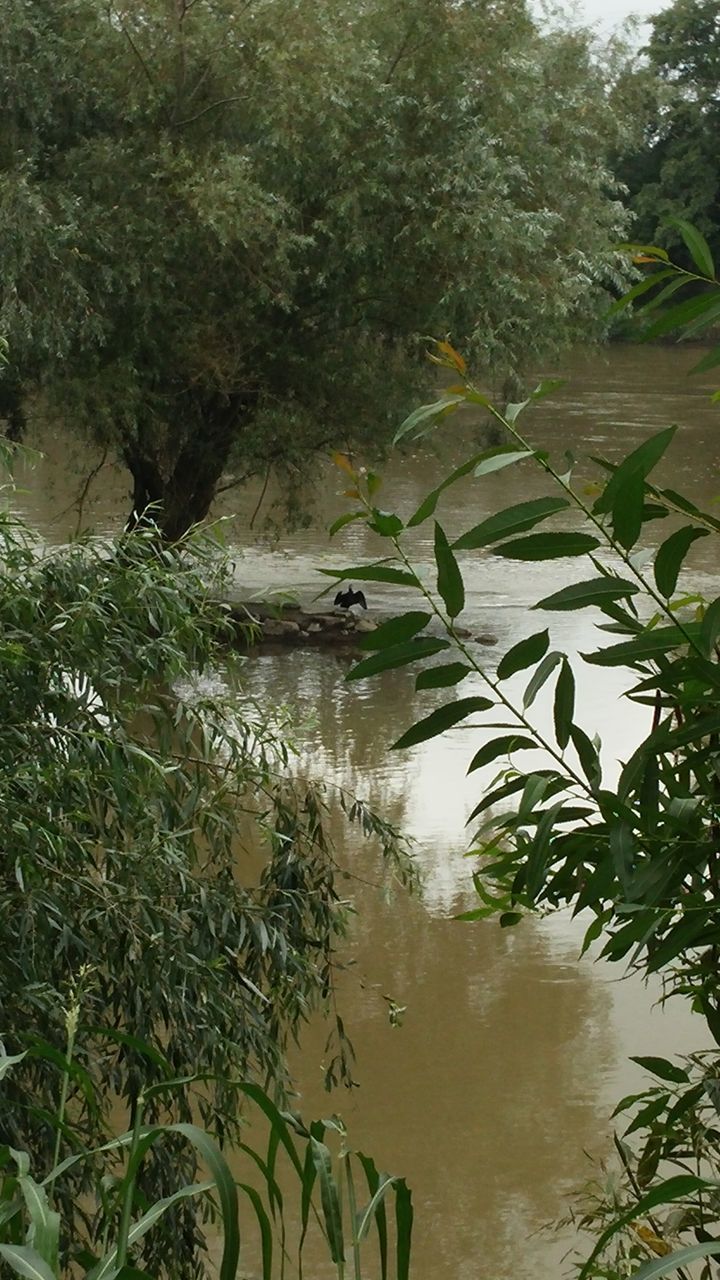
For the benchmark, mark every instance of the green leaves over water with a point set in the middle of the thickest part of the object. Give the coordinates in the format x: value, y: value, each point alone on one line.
x: 443, y: 718
x: 515, y: 519
x: 449, y: 579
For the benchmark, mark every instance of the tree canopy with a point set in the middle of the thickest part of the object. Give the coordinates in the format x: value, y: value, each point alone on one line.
x: 224, y: 227
x: 674, y: 171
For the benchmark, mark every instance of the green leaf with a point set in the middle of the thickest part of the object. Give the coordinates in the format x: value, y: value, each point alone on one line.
x: 671, y: 1262
x: 667, y: 1192
x: 671, y: 554
x: 709, y: 361
x: 495, y: 795
x: 515, y: 519
x: 38, y: 1048
x: 500, y: 747
x: 539, y: 849
x: 503, y: 455
x: 26, y: 1262
x: 130, y: 1042
x: 403, y: 1229
x: 217, y: 1167
x: 429, y: 503
x: 442, y: 677
x: 266, y: 1234
x: 539, y: 678
x: 545, y: 388
x: 704, y: 308
x: 341, y: 521
x: 663, y: 1069
x: 547, y: 546
x: 397, y: 655
x: 710, y: 627
x: 395, y: 630
x: 648, y: 1114
x: 638, y: 289
x: 7, y: 1061
x: 697, y: 244
x: 523, y: 654
x: 449, y: 578
x: 581, y: 595
x: 427, y: 414
x: 680, y: 282
x: 622, y: 852
x: 368, y: 1215
x: 373, y: 573
x: 688, y: 507
x: 564, y: 704
x: 372, y: 1178
x: 440, y: 720
x: 329, y: 1199
x: 649, y: 1160
x: 640, y: 462
x: 44, y: 1231
x: 106, y: 1269
x: 652, y: 250
x: 627, y: 511
x: 587, y: 754
x: 509, y: 918
x: 643, y: 648
x: 385, y: 523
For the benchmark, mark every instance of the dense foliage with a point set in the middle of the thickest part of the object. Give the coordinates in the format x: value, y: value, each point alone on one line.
x: 674, y: 170
x: 220, y: 223
x: 157, y: 851
x: 556, y: 828
x: 34, y: 1241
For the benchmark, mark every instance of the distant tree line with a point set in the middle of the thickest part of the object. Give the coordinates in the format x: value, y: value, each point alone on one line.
x: 673, y: 92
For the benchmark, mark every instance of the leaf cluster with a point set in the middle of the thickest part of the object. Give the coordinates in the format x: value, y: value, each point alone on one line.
x: 640, y: 851
x: 31, y: 1229
x: 157, y: 840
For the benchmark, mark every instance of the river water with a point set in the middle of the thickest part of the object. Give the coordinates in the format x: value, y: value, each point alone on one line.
x: 493, y: 1096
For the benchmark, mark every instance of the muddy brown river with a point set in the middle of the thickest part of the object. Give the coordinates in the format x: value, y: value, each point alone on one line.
x: 494, y: 1093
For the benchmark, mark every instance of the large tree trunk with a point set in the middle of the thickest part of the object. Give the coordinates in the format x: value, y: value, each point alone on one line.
x: 176, y: 474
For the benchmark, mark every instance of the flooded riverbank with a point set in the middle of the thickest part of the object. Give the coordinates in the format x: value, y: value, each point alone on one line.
x: 511, y: 1052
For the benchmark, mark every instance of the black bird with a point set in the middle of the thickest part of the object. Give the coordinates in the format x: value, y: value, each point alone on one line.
x: 348, y: 598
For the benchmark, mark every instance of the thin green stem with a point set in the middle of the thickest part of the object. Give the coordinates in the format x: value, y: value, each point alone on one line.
x: 128, y: 1190
x: 493, y: 684
x: 352, y: 1210
x: 71, y: 1023
x: 598, y: 524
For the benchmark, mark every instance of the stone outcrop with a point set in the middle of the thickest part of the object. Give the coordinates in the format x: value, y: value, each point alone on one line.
x: 265, y: 624
x: 268, y: 624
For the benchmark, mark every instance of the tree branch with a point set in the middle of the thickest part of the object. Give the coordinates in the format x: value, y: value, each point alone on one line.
x: 221, y: 102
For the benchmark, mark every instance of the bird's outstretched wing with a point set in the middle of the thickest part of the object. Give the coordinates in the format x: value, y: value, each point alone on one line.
x: 338, y: 598
x: 360, y: 599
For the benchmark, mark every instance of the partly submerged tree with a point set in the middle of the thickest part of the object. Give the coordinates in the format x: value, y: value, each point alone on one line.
x: 220, y: 223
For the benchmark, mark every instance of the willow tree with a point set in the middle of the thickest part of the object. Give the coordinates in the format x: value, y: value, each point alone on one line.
x: 225, y: 225
x: 162, y: 872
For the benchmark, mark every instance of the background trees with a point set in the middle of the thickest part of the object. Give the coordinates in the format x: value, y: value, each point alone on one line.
x: 674, y: 171
x: 221, y: 223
